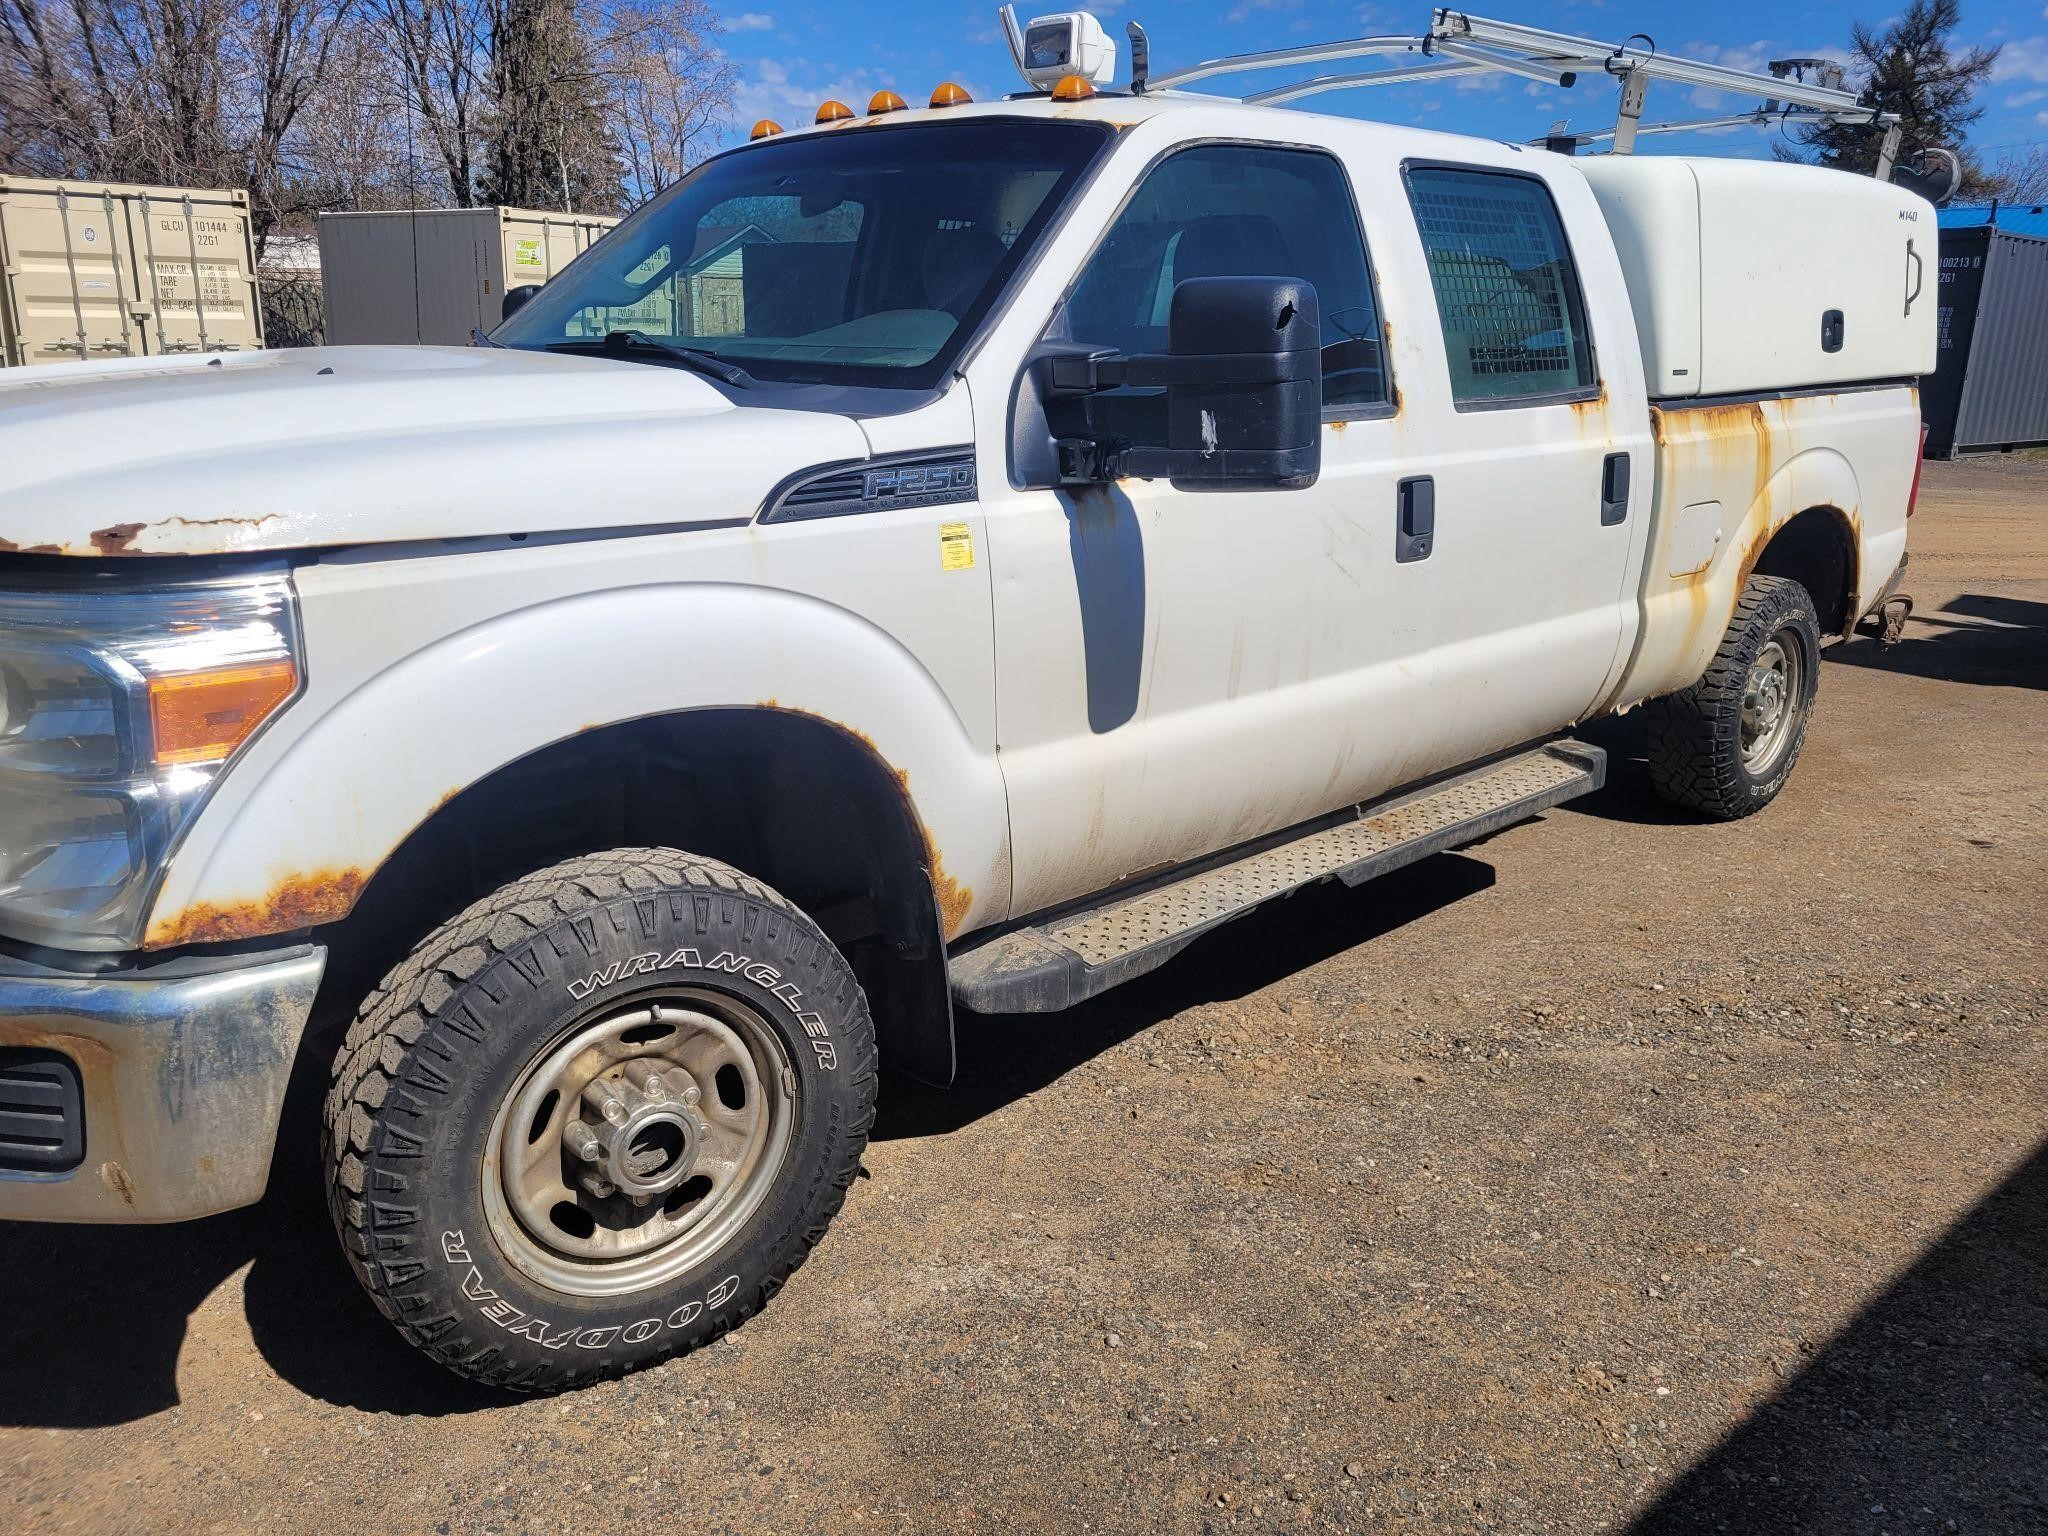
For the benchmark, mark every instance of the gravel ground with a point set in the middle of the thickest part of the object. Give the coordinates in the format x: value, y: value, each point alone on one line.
x: 1621, y: 1173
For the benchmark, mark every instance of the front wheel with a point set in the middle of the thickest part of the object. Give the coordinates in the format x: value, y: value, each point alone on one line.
x: 599, y: 1118
x: 1725, y: 746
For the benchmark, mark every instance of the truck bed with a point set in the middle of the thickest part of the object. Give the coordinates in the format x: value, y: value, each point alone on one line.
x: 1730, y: 473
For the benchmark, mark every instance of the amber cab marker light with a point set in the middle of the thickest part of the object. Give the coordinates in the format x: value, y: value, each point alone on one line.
x: 884, y: 101
x: 950, y: 95
x: 834, y: 112
x: 766, y: 128
x: 201, y: 717
x: 1074, y: 88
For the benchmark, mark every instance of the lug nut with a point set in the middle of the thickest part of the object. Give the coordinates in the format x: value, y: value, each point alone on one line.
x: 582, y: 1141
x: 642, y: 1075
x: 601, y: 1097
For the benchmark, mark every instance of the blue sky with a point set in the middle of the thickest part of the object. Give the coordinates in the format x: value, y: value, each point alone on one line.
x: 792, y: 56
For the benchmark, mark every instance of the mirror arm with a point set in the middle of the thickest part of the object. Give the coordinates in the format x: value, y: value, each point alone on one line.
x: 1091, y: 460
x: 1068, y: 371
x: 1082, y: 372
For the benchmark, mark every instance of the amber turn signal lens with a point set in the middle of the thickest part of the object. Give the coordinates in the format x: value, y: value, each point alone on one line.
x: 884, y: 101
x: 950, y: 95
x: 834, y: 112
x: 765, y: 128
x: 1074, y: 88
x: 201, y: 717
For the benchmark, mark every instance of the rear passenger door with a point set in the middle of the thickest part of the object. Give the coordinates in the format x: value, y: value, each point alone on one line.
x: 1539, y: 467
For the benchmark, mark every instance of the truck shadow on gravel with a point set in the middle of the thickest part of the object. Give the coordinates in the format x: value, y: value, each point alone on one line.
x: 98, y: 1316
x: 1989, y: 641
x: 1002, y: 1057
x: 1929, y: 1412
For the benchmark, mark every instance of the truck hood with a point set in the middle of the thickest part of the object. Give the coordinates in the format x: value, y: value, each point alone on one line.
x: 351, y: 445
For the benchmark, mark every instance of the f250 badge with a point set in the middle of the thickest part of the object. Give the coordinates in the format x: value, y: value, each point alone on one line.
x: 918, y: 480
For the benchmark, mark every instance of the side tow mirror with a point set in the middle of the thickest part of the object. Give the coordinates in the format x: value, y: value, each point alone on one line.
x: 518, y: 298
x: 1244, y: 390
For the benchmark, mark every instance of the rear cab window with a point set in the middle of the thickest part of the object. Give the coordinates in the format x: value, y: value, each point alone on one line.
x: 1507, y: 290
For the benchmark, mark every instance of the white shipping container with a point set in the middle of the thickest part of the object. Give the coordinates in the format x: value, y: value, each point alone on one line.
x: 1748, y: 275
x: 433, y: 275
x: 101, y: 269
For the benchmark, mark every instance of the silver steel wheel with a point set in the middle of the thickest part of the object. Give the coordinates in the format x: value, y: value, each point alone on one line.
x: 1771, y: 698
x: 639, y: 1144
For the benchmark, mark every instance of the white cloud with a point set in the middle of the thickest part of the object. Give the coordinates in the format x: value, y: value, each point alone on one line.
x: 1486, y: 83
x: 748, y: 21
x: 2024, y: 58
x: 789, y: 93
x: 1245, y: 10
x: 1755, y: 57
x: 2025, y: 99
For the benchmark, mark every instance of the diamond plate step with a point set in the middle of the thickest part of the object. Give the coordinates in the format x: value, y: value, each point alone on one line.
x: 1062, y: 960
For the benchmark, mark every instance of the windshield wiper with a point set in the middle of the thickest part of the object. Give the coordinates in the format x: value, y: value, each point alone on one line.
x: 689, y: 357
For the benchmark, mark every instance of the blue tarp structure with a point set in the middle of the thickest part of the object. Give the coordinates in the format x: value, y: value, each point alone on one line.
x: 2013, y: 218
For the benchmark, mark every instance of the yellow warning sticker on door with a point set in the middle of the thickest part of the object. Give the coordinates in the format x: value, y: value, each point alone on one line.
x: 526, y: 253
x: 956, y: 547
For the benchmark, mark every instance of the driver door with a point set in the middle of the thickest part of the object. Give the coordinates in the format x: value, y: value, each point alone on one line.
x: 1178, y: 672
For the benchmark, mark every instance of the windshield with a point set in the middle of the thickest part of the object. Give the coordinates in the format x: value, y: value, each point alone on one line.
x: 862, y: 257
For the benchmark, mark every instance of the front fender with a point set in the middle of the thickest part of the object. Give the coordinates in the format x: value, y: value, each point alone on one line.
x: 380, y: 741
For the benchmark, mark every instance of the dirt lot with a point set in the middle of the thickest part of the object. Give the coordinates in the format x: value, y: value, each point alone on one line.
x: 1621, y: 1173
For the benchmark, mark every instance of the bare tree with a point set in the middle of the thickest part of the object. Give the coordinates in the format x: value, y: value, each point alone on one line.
x: 2020, y: 176
x: 671, y: 85
x: 441, y: 53
x: 357, y: 144
x: 364, y: 103
x: 184, y: 92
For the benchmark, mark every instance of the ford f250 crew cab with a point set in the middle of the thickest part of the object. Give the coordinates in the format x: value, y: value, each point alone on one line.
x: 1084, y: 518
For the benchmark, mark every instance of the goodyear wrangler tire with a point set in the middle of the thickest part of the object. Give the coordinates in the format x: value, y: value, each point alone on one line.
x: 597, y: 1119
x: 1725, y: 746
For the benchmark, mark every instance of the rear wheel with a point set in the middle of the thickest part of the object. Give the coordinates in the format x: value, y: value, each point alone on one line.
x: 1725, y: 746
x: 599, y: 1118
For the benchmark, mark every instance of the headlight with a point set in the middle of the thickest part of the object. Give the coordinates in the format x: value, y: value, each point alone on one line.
x: 118, y: 709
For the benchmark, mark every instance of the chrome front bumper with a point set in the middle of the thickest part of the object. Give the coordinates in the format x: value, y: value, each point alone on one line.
x: 181, y: 1074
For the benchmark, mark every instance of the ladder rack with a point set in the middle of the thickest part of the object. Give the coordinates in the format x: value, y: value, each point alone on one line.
x: 1459, y: 43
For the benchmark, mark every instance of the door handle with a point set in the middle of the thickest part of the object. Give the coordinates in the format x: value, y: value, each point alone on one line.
x: 1918, y: 275
x: 1415, y: 519
x: 1614, y: 490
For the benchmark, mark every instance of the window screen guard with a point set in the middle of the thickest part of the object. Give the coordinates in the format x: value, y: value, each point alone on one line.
x: 1507, y: 293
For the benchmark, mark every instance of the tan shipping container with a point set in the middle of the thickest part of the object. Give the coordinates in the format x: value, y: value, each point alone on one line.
x: 433, y: 275
x: 98, y: 270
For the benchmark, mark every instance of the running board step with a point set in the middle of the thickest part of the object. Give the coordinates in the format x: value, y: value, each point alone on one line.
x: 1062, y: 961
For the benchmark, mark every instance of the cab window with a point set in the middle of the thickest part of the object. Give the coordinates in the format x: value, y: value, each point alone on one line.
x: 1514, y: 319
x: 1230, y: 210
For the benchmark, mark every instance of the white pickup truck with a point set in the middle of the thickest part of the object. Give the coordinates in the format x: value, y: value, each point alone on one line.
x: 935, y: 556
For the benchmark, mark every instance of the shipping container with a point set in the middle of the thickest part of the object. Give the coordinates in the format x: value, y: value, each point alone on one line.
x: 1748, y: 276
x: 433, y: 275
x: 1989, y: 389
x: 99, y: 270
